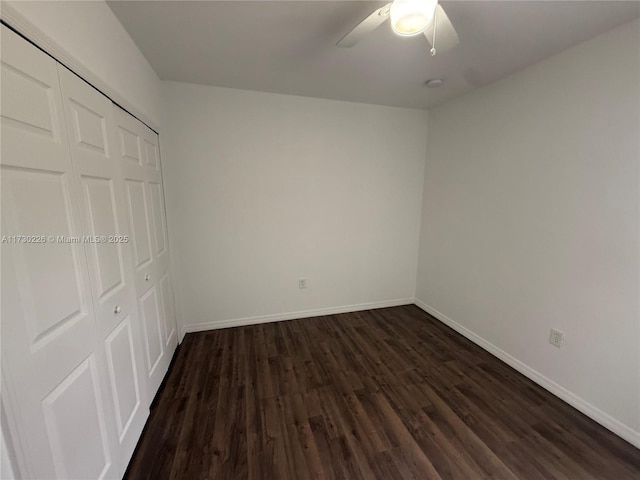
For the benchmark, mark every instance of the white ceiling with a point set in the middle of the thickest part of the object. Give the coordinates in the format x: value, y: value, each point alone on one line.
x: 289, y: 46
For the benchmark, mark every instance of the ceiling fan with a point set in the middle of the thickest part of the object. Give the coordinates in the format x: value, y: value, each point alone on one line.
x: 409, y: 18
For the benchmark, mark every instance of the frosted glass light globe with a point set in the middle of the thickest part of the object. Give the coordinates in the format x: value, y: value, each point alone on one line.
x: 412, y: 17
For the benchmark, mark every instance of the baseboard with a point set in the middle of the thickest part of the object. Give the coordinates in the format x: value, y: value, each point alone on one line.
x: 623, y: 431
x: 278, y: 317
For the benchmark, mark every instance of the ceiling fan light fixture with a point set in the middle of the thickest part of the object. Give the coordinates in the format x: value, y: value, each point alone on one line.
x: 412, y: 17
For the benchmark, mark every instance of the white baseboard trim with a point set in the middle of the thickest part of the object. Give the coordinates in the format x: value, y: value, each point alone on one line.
x: 278, y: 317
x: 623, y: 431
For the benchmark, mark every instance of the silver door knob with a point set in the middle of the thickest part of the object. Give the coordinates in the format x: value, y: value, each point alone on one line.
x: 117, y: 309
x: 147, y: 277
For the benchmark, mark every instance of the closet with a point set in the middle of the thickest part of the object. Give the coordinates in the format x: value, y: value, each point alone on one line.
x: 88, y: 321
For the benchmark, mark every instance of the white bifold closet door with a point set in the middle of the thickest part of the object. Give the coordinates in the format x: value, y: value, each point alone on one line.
x: 51, y: 351
x: 86, y: 339
x: 140, y: 161
x: 93, y: 144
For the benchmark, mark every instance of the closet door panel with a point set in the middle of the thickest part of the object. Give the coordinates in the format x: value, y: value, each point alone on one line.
x: 152, y: 322
x: 151, y: 152
x: 94, y: 146
x: 130, y: 149
x: 31, y: 111
x: 132, y: 152
x: 169, y: 312
x: 159, y: 230
x: 74, y: 403
x: 123, y: 376
x: 132, y: 156
x: 139, y: 155
x: 50, y: 275
x: 160, y: 239
x: 89, y: 127
x: 138, y: 210
x: 102, y: 216
x: 48, y: 327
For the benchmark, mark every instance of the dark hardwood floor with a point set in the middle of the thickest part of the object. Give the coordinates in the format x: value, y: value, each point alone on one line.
x: 382, y: 394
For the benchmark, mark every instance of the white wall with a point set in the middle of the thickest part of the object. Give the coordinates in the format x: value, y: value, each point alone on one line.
x: 531, y: 220
x: 262, y: 189
x: 87, y: 35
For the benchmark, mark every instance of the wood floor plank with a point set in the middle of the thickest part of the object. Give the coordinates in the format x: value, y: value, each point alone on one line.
x: 381, y: 394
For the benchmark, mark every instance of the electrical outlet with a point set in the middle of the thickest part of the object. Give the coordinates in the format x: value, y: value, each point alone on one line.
x: 556, y: 338
x: 302, y: 283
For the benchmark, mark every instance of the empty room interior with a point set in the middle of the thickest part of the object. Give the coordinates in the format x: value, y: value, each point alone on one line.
x: 297, y: 240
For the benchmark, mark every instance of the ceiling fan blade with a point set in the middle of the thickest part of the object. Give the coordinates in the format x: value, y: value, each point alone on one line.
x: 365, y: 27
x: 446, y: 36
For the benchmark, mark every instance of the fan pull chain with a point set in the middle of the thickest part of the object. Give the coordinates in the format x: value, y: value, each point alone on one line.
x: 435, y: 27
